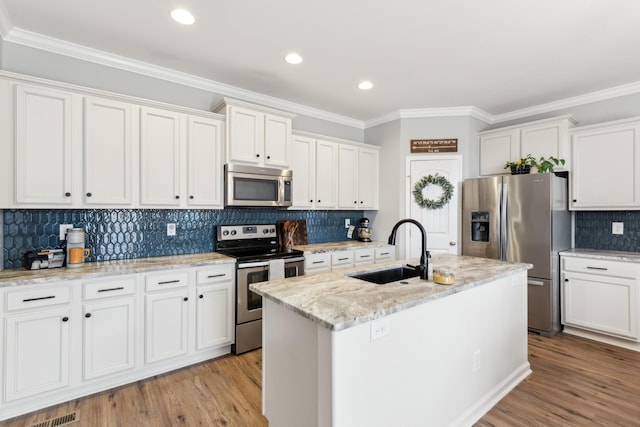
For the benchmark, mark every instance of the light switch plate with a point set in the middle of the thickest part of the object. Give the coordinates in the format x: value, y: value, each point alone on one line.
x: 617, y: 228
x: 347, y: 222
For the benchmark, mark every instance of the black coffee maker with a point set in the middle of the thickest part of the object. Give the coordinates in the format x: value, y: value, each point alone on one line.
x: 364, y: 230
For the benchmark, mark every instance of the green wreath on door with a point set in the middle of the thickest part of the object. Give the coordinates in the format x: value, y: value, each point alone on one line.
x: 447, y: 192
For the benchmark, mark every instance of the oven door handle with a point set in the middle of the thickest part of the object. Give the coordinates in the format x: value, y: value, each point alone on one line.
x: 253, y: 264
x: 289, y: 260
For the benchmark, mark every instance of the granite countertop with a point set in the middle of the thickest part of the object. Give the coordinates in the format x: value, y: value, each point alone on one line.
x: 603, y: 254
x: 21, y: 276
x: 337, y: 301
x: 338, y: 246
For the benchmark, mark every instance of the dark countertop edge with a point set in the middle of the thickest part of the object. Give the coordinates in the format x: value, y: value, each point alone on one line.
x: 23, y: 277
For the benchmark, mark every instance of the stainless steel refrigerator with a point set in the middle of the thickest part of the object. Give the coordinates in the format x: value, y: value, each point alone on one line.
x: 522, y: 218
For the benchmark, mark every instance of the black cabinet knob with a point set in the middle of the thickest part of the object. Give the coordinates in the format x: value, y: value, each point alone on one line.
x: 566, y: 280
x: 89, y: 194
x: 257, y: 155
x: 574, y: 200
x: 355, y: 201
x: 319, y: 200
x: 65, y: 319
x: 67, y: 194
x: 185, y: 299
x: 191, y: 197
x: 201, y: 296
x: 87, y: 315
x: 268, y: 157
x: 177, y: 197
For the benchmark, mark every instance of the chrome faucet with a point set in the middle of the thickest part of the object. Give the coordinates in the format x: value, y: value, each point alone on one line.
x: 423, y: 268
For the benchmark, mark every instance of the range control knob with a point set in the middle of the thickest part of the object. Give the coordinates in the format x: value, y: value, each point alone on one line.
x: 233, y: 232
x: 225, y: 233
x: 265, y: 231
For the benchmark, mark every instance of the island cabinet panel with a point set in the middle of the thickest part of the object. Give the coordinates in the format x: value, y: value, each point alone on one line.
x: 474, y: 340
x: 605, y: 161
x: 601, y: 296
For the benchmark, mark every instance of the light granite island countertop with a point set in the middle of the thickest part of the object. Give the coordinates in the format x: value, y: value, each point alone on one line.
x: 339, y: 351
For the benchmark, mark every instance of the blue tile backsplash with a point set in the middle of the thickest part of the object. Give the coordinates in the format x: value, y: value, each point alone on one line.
x: 593, y: 230
x: 113, y: 234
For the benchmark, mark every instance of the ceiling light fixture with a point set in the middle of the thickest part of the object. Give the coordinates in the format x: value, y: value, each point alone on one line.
x: 365, y: 85
x: 293, y: 58
x: 182, y: 16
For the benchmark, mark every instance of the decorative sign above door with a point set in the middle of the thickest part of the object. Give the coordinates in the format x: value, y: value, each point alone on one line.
x: 434, y: 145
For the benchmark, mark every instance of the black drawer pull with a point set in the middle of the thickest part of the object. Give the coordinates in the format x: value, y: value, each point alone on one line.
x: 317, y: 262
x: 364, y: 256
x: 216, y: 275
x: 167, y: 282
x: 342, y: 259
x: 119, y: 288
x: 38, y: 298
x: 597, y: 268
x: 384, y: 253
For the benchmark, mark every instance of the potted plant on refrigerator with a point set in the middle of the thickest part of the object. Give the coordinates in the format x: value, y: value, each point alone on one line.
x: 522, y: 165
x: 546, y: 165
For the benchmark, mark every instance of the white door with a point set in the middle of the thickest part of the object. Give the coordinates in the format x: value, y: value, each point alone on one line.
x: 441, y: 224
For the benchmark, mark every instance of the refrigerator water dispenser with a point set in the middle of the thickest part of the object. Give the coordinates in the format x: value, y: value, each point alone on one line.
x: 480, y: 226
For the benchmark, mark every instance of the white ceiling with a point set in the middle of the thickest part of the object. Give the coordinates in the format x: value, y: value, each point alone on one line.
x: 499, y: 56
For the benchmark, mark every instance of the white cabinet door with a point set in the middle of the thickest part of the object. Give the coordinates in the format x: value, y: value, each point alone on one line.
x: 604, y: 164
x: 317, y: 263
x: 159, y: 157
x: 37, y: 346
x: 204, y: 145
x: 43, y: 168
x: 166, y: 325
x: 497, y: 148
x: 342, y: 259
x: 109, y: 334
x: 214, y: 310
x: 246, y: 135
x: 368, y: 182
x: 364, y: 256
x: 277, y: 141
x: 303, y: 165
x: 347, y: 177
x: 107, y: 152
x: 549, y: 138
x: 327, y: 170
x: 600, y: 303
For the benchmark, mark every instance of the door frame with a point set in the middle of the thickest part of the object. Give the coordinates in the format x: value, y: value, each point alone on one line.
x: 409, y: 192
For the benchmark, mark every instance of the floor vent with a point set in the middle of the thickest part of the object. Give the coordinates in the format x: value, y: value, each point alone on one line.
x: 59, y: 421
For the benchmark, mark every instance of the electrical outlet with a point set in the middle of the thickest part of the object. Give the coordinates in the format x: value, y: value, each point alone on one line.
x: 476, y: 360
x: 171, y: 229
x: 63, y: 230
x: 617, y: 228
x: 379, y: 329
x: 347, y: 222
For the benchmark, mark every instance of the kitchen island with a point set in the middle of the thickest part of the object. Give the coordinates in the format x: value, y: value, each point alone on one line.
x: 339, y: 351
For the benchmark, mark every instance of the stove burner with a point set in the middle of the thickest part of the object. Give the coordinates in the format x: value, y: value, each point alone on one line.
x: 249, y: 243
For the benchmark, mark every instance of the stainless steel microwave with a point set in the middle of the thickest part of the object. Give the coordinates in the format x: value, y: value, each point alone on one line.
x: 254, y: 186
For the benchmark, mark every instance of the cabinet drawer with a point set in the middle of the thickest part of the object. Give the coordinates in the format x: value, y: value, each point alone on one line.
x: 171, y: 280
x: 109, y: 288
x: 385, y: 254
x: 317, y: 263
x: 215, y: 274
x: 35, y: 298
x: 342, y: 259
x: 603, y: 267
x: 364, y: 256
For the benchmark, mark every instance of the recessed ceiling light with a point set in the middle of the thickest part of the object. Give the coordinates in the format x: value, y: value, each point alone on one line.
x: 182, y: 16
x: 365, y: 85
x: 293, y: 58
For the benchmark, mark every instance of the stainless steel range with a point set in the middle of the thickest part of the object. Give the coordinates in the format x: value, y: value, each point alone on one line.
x: 259, y: 258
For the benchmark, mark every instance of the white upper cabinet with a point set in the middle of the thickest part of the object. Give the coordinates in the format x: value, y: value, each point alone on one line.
x: 326, y: 175
x: 256, y: 135
x: 303, y: 164
x: 43, y: 146
x: 368, y: 177
x: 542, y: 138
x: 347, y: 177
x: 159, y: 157
x: 107, y: 152
x: 604, y: 165
x: 204, y: 146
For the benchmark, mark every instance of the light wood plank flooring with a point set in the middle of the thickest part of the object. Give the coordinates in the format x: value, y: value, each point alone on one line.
x: 575, y: 382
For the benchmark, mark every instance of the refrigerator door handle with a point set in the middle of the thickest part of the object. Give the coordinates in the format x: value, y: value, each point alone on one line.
x: 504, y: 230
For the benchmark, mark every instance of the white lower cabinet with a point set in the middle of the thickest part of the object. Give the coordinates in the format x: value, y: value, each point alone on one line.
x: 37, y: 347
x: 109, y: 325
x: 317, y: 263
x: 324, y: 262
x: 341, y: 260
x: 600, y: 296
x: 61, y: 341
x: 364, y: 256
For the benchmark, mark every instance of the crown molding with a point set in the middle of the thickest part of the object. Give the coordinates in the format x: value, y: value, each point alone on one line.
x: 50, y: 44
x: 418, y: 113
x: 600, y: 95
x: 5, y: 24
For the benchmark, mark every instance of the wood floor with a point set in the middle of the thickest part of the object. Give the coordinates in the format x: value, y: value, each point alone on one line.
x: 575, y: 382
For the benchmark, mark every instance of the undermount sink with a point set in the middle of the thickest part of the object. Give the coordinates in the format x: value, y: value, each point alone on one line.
x: 387, y: 276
